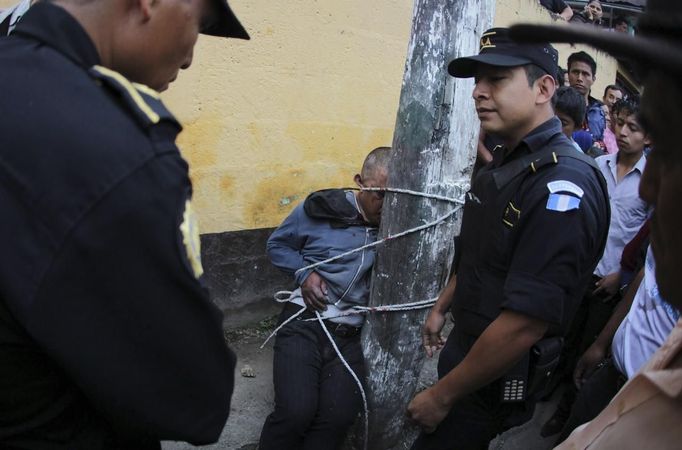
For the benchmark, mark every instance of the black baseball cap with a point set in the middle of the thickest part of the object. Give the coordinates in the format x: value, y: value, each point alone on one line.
x: 657, y: 45
x: 497, y: 49
x: 226, y: 23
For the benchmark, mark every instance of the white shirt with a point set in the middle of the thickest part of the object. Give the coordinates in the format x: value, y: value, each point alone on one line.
x: 628, y: 211
x: 647, y: 325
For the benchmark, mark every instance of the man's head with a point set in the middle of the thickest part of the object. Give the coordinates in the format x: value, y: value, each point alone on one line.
x: 630, y: 135
x: 514, y: 84
x: 612, y: 94
x: 149, y: 41
x: 582, y: 71
x: 657, y: 50
x: 374, y: 173
x: 593, y: 10
x: 620, y: 24
x: 570, y: 109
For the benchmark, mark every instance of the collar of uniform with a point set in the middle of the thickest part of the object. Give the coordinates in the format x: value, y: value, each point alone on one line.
x: 536, y: 139
x: 56, y: 28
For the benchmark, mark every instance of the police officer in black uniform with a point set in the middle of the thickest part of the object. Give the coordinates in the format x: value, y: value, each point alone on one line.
x: 534, y: 227
x: 108, y: 339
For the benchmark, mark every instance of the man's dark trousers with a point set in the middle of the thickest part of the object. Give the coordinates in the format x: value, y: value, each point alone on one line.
x: 477, y: 418
x: 316, y: 399
x: 594, y: 395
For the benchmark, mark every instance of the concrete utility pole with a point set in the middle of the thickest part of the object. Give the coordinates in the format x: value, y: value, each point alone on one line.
x: 434, y: 146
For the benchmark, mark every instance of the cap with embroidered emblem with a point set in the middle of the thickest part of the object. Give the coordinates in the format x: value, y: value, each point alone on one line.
x: 497, y: 49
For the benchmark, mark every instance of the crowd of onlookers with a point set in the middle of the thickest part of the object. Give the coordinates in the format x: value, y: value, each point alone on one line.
x: 592, y: 14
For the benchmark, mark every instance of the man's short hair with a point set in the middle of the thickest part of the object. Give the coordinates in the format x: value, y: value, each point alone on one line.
x: 570, y: 102
x: 627, y: 107
x: 534, y: 73
x: 376, y: 159
x: 583, y: 58
x: 620, y: 19
x: 612, y: 87
x: 560, y: 74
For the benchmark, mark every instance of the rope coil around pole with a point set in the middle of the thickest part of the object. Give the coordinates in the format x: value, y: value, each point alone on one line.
x: 284, y: 296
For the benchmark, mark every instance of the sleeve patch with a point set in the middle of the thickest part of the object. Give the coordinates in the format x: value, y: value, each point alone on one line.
x: 562, y: 202
x: 191, y: 240
x: 565, y: 186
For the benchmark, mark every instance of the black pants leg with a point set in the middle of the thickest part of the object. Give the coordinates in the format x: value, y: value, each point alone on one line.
x: 592, y: 316
x: 593, y: 396
x: 316, y: 399
x: 475, y: 419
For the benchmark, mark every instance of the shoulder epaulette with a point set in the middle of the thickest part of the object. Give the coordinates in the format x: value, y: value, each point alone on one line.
x: 144, y: 102
x: 547, y: 158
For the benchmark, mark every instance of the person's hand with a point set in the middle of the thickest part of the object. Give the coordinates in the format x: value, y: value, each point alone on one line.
x: 588, y: 363
x: 428, y: 410
x: 432, y: 339
x: 314, y: 292
x: 609, y: 284
x: 588, y: 13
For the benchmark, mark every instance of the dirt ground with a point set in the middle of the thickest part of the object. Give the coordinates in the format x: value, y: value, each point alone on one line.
x: 252, y: 400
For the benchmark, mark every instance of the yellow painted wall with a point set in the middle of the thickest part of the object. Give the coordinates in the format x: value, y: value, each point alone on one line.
x: 293, y: 110
x: 296, y: 108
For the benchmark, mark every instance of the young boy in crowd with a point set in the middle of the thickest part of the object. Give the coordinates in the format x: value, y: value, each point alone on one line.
x: 570, y: 109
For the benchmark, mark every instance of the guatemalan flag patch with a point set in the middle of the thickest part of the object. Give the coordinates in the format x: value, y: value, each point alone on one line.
x: 563, y: 196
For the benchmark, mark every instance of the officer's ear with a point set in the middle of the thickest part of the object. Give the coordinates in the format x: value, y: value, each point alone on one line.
x: 545, y: 88
x: 146, y: 8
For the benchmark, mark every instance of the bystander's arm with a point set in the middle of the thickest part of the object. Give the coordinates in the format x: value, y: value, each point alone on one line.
x: 597, y: 351
x: 566, y: 14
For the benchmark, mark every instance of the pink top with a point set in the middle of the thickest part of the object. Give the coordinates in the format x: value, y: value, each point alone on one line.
x: 610, y: 141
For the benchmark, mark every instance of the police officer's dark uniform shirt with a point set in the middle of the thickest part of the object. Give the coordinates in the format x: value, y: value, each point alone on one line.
x: 534, y: 227
x: 107, y: 337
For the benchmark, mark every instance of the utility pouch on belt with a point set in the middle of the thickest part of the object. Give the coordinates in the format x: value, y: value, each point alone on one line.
x: 544, y: 358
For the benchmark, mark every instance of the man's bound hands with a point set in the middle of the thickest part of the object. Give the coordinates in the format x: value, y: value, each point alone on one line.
x: 314, y: 291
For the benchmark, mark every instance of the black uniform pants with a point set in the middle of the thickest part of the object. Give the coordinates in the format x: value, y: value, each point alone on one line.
x: 592, y: 315
x: 593, y: 396
x: 316, y: 399
x: 476, y: 419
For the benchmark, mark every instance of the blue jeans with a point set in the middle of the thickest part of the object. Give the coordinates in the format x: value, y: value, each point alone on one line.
x: 478, y: 417
x: 316, y: 399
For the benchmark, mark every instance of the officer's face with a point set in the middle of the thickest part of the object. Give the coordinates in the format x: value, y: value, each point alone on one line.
x: 630, y: 136
x: 164, y: 43
x: 661, y: 183
x: 372, y: 202
x: 580, y: 77
x: 505, y: 103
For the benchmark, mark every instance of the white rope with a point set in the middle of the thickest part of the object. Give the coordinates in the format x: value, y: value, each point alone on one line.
x: 459, y: 186
x: 294, y: 316
x: 352, y: 373
x: 381, y: 241
x: 280, y: 295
